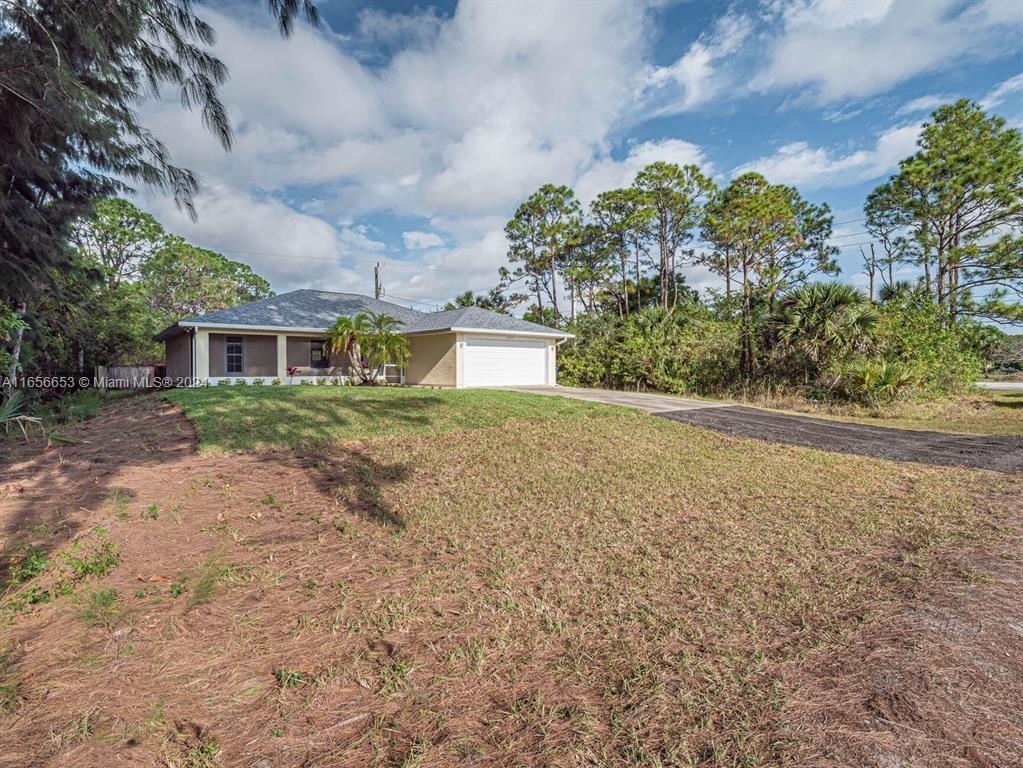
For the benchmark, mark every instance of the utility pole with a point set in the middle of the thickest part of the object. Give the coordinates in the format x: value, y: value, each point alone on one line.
x: 376, y: 281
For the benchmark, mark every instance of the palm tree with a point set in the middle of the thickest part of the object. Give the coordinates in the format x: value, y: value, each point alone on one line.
x: 384, y: 344
x: 824, y: 320
x: 370, y: 341
x: 345, y: 337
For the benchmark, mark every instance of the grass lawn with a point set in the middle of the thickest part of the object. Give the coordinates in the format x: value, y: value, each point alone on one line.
x: 484, y: 578
x: 983, y: 413
x: 254, y: 418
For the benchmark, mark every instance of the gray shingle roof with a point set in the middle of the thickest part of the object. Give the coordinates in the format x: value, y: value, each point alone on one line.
x: 310, y: 309
x: 301, y: 309
x: 477, y: 318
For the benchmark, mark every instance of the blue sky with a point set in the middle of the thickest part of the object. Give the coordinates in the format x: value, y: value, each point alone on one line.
x: 406, y: 133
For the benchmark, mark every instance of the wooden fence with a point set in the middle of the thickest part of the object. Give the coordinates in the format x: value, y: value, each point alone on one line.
x: 125, y: 376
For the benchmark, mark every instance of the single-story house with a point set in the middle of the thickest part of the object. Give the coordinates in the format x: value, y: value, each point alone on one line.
x: 285, y: 334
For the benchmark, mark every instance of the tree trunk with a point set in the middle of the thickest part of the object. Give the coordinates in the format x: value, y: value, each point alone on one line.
x: 639, y: 291
x: 663, y: 245
x: 19, y: 310
x: 746, y: 362
x: 728, y: 276
x: 625, y: 286
x: 554, y: 289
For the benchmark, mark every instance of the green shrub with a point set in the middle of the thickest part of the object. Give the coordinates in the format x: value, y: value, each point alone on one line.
x: 941, y: 360
x: 874, y: 381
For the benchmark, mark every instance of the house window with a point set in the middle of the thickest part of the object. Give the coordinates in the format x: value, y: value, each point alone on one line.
x: 318, y: 355
x: 234, y: 354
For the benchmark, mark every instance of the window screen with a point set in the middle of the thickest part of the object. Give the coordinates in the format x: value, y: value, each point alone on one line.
x: 234, y: 353
x: 318, y: 356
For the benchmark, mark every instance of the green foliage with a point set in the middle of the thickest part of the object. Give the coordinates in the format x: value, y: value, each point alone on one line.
x: 912, y: 331
x: 100, y: 608
x: 954, y: 210
x: 127, y: 281
x: 182, y: 280
x: 541, y: 236
x: 212, y: 572
x: 11, y: 323
x: 682, y: 351
x: 74, y: 75
x: 37, y: 578
x: 874, y: 382
x: 26, y: 563
x: 289, y: 678
x: 818, y: 323
x: 369, y: 341
x: 495, y: 300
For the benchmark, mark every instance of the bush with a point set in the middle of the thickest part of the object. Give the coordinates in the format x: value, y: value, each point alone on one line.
x: 874, y: 382
x: 941, y: 360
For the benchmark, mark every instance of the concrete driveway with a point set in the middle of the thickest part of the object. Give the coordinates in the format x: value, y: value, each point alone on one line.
x: 644, y: 401
x: 1002, y: 386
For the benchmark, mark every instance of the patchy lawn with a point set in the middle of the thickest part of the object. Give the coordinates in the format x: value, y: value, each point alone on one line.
x: 253, y: 418
x: 561, y: 584
x: 984, y: 413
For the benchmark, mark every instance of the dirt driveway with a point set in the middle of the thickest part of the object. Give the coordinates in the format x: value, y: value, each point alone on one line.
x: 1000, y: 453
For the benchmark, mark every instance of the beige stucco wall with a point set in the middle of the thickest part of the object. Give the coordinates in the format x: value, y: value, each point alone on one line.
x: 178, y: 350
x: 260, y: 355
x: 433, y: 360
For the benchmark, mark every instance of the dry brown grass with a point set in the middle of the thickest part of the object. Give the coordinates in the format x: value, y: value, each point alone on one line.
x: 615, y: 590
x: 983, y: 413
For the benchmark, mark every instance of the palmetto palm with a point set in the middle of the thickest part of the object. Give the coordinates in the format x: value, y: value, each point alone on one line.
x: 823, y: 320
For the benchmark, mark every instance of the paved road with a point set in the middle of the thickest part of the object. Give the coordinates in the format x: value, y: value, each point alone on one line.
x: 644, y: 401
x: 1006, y: 386
x: 1001, y: 453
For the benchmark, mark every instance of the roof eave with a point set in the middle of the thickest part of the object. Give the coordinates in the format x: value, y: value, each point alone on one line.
x: 551, y: 334
x: 169, y: 332
x: 249, y: 327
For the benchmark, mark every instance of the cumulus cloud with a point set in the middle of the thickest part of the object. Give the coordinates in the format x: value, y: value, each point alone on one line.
x: 290, y: 249
x: 606, y: 173
x: 808, y: 167
x: 839, y: 49
x: 696, y: 76
x: 469, y: 115
x: 416, y: 240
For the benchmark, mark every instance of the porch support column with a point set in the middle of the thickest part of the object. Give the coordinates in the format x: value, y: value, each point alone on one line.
x: 282, y: 358
x: 202, y: 357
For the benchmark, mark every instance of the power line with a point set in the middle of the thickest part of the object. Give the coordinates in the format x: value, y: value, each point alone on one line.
x: 386, y: 262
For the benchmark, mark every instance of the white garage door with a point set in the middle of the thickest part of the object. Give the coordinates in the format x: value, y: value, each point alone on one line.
x: 503, y: 362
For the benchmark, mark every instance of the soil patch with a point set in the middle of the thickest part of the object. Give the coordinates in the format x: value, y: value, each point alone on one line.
x: 999, y: 452
x: 615, y: 591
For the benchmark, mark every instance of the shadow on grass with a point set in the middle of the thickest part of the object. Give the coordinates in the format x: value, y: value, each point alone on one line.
x: 1009, y: 400
x: 236, y: 418
x: 352, y: 477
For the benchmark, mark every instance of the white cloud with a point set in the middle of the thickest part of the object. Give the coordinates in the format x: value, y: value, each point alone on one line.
x: 923, y: 104
x: 471, y: 114
x: 808, y: 167
x: 1006, y: 88
x: 288, y: 248
x: 416, y: 240
x: 695, y: 77
x: 606, y: 173
x: 839, y: 50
